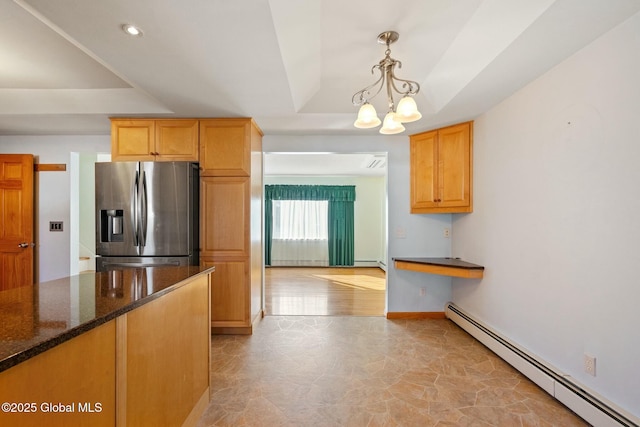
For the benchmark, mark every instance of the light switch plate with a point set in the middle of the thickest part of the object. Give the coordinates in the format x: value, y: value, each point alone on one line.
x: 55, y: 226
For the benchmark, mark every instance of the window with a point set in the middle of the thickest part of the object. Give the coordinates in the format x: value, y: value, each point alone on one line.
x: 300, y: 233
x: 313, y: 216
x: 300, y: 219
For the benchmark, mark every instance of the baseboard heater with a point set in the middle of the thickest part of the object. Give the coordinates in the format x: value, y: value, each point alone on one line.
x: 592, y: 408
x: 365, y: 263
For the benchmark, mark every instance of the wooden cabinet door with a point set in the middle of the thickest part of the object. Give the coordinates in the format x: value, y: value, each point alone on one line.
x: 230, y: 302
x: 224, y: 216
x: 225, y: 147
x: 16, y: 220
x: 177, y: 140
x: 454, y: 166
x: 424, y: 173
x: 132, y: 140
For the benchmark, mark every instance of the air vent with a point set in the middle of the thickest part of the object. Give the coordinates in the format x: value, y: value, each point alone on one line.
x: 375, y: 162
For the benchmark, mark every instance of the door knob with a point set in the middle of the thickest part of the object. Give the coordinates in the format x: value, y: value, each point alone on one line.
x: 25, y: 245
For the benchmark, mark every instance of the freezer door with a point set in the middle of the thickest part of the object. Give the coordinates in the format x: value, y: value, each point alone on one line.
x: 166, y: 207
x: 115, y: 212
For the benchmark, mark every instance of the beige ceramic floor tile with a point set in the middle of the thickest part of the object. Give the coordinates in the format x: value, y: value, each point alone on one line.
x: 369, y: 371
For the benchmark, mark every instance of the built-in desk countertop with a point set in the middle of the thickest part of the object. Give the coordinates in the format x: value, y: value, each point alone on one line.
x: 34, y: 319
x: 444, y: 266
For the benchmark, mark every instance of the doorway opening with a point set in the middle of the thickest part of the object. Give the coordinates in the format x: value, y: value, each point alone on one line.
x: 82, y: 240
x: 308, y: 285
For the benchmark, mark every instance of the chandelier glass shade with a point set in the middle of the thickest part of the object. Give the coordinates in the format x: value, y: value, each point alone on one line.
x: 405, y: 112
x: 391, y: 125
x: 367, y: 117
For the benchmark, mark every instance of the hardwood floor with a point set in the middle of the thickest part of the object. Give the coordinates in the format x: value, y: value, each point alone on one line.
x: 326, y: 291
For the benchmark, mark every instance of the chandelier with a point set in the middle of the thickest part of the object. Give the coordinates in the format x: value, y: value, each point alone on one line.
x: 406, y: 111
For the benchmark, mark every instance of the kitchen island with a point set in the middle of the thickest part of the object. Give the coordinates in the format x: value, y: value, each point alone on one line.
x: 124, y: 347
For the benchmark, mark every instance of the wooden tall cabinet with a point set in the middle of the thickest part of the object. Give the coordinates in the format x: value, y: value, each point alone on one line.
x: 154, y: 140
x: 441, y: 170
x: 231, y: 221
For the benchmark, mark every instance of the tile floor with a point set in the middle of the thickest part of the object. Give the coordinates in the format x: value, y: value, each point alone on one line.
x: 368, y: 371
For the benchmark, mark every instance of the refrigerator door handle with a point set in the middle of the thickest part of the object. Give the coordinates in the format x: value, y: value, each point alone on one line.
x: 143, y: 210
x: 141, y: 264
x: 134, y: 209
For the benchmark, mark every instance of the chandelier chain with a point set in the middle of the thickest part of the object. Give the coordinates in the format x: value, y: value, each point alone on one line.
x: 386, y: 67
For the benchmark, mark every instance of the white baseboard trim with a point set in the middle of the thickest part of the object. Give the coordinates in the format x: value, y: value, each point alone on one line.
x: 365, y: 263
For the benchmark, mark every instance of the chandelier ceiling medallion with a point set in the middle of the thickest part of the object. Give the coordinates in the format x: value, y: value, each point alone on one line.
x: 406, y: 111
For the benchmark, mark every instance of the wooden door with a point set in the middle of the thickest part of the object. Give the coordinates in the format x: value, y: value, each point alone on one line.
x: 16, y: 220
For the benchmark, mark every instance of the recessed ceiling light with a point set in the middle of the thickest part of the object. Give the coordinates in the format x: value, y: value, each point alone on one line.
x: 132, y: 30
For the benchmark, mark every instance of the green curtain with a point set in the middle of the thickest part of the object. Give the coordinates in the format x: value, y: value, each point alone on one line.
x: 341, y: 234
x: 346, y: 193
x: 341, y: 220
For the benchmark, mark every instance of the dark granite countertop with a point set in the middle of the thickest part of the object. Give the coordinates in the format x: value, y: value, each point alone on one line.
x: 443, y: 262
x: 36, y: 318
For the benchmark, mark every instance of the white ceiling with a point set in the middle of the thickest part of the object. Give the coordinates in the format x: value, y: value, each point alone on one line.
x: 293, y: 65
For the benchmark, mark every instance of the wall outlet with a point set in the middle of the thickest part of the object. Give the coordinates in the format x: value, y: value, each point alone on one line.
x: 446, y: 232
x: 590, y: 364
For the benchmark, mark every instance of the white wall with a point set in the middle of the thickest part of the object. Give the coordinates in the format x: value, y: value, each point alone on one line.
x: 556, y: 221
x: 409, y: 235
x: 370, y: 218
x: 53, y: 194
x: 369, y: 210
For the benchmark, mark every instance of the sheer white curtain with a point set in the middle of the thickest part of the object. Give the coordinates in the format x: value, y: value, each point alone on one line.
x: 300, y: 232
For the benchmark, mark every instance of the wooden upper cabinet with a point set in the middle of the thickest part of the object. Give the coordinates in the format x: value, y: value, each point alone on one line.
x: 132, y: 139
x: 441, y: 170
x: 154, y: 140
x: 225, y: 147
x: 177, y: 140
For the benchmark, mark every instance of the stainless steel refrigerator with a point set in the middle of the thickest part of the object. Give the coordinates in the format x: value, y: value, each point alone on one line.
x: 146, y: 214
